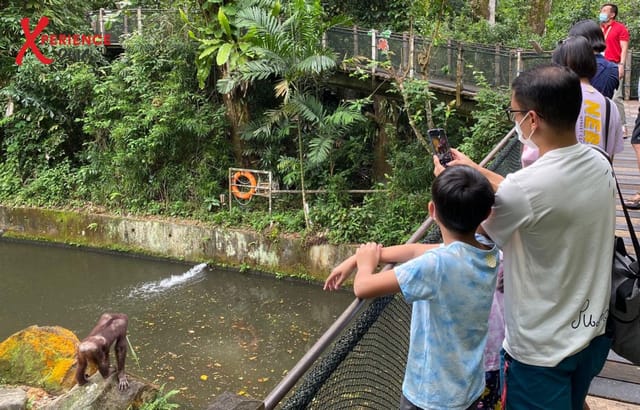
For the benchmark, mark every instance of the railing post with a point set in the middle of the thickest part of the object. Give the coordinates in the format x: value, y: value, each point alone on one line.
x: 627, y: 76
x: 412, y: 52
x: 324, y: 40
x: 459, y: 75
x: 101, y: 21
x: 449, y: 55
x: 373, y: 52
x: 355, y: 41
x: 519, y: 63
x: 404, y: 61
x: 497, y: 69
x: 139, y: 20
x: 373, y: 44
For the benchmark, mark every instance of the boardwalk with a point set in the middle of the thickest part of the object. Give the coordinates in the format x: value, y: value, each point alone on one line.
x: 626, y: 167
x: 619, y: 379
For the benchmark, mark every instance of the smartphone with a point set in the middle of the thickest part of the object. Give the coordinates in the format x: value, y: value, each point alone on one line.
x: 440, y: 145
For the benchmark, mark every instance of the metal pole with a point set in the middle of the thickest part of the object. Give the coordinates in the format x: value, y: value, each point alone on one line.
x: 412, y: 52
x: 101, y: 21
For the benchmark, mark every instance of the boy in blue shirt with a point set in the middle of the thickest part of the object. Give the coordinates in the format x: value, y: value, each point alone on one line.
x: 450, y: 287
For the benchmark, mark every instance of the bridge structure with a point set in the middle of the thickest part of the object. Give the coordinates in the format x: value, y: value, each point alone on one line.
x: 450, y: 66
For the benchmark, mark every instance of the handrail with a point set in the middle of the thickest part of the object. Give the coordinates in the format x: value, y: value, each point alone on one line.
x: 292, y: 377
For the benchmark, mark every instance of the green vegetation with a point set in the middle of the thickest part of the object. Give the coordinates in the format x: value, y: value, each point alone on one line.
x: 162, y: 401
x: 216, y: 84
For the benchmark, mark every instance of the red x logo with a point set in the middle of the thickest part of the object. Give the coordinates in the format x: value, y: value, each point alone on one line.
x: 30, y: 42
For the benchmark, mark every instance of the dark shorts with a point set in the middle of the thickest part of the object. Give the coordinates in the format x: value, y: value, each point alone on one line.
x: 405, y: 404
x: 563, y: 387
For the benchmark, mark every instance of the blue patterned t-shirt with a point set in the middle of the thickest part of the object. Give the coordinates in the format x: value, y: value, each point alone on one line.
x: 451, y: 290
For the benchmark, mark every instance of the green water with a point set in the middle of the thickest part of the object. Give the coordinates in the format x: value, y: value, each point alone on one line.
x: 201, y: 331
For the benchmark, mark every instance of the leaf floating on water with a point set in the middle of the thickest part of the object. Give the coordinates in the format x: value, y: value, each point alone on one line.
x: 263, y: 379
x: 204, y: 377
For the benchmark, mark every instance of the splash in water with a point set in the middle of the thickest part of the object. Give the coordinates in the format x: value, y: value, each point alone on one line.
x: 197, y: 272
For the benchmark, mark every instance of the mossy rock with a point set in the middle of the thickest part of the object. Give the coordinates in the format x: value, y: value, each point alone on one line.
x: 40, y: 356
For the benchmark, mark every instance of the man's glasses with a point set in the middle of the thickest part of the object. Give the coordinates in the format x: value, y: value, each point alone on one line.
x: 511, y: 113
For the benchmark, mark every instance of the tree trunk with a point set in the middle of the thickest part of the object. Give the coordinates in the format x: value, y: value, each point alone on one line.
x: 380, y: 165
x: 237, y: 114
x: 480, y: 8
x: 540, y: 10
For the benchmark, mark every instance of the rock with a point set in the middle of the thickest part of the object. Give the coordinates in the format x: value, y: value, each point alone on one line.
x: 12, y: 399
x: 103, y: 394
x: 230, y: 401
x: 40, y: 356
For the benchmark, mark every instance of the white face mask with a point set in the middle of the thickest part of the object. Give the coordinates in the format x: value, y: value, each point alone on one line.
x: 525, y: 141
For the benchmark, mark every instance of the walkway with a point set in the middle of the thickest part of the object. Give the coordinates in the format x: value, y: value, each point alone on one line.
x: 617, y: 378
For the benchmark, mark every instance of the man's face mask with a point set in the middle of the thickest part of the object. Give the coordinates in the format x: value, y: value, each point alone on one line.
x: 603, y: 17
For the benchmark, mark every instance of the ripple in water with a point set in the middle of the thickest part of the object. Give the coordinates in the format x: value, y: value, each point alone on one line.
x: 159, y: 286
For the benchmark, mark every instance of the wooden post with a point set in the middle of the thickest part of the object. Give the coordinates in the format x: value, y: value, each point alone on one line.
x: 139, y: 20
x: 126, y: 23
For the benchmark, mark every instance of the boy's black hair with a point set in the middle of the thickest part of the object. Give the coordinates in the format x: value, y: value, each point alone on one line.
x: 553, y: 92
x: 577, y: 54
x: 592, y: 32
x: 463, y: 198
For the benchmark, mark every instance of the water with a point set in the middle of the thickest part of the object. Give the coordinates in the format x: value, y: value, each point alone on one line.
x: 195, y: 329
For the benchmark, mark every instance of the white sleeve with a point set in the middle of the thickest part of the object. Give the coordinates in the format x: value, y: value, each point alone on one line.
x: 615, y: 142
x: 511, y: 210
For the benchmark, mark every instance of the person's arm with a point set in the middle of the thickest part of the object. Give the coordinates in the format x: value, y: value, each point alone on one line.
x: 390, y: 254
x: 460, y: 159
x: 624, y: 46
x: 367, y: 284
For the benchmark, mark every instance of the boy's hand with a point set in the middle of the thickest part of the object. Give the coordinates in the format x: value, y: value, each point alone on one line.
x: 340, y: 273
x: 368, y: 257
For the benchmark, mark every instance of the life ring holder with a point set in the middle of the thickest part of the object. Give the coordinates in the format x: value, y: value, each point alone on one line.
x: 236, y: 183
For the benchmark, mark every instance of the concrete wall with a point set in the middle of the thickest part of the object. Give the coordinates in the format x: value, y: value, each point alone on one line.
x: 189, y: 241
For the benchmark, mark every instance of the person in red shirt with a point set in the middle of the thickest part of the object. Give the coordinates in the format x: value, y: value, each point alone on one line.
x: 616, y: 37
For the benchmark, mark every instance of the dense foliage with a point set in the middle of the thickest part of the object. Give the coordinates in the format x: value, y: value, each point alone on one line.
x: 213, y: 84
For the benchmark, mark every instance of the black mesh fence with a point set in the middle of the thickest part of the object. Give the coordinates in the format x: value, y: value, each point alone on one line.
x: 364, y: 367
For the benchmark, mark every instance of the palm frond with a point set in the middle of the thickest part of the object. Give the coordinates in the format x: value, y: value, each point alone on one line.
x: 316, y: 64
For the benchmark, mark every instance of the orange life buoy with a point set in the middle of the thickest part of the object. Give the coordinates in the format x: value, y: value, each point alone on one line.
x: 235, y: 183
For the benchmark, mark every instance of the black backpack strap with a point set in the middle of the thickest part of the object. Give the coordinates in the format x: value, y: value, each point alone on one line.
x: 632, y: 232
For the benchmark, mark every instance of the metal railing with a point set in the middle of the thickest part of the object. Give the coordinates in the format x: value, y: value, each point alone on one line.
x: 444, y: 62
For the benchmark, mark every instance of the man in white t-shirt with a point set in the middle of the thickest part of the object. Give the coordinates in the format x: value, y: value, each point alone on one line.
x: 555, y: 221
